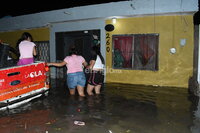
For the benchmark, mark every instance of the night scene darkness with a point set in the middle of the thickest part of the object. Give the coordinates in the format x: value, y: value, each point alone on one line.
x: 8, y: 8
x: 151, y: 67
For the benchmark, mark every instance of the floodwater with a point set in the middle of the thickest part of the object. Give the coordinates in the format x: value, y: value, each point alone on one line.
x: 120, y: 108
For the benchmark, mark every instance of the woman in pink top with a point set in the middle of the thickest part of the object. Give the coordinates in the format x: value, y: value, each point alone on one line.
x: 75, y: 75
x: 26, y: 49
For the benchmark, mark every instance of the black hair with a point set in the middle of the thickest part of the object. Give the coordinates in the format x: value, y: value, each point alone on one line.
x: 25, y: 36
x: 73, y: 50
x: 17, y: 44
x: 96, y: 51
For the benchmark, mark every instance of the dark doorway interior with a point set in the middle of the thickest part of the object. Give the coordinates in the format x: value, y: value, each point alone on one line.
x: 83, y: 40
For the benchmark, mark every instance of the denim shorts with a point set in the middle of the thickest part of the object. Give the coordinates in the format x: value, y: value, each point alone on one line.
x: 74, y: 79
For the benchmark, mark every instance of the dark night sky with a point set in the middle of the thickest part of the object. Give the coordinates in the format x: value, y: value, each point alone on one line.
x: 8, y: 8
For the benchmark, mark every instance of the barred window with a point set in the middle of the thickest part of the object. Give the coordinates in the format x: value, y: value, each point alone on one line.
x: 42, y: 49
x: 135, y: 51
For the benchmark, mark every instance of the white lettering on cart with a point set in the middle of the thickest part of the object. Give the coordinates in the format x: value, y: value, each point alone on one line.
x: 9, y: 92
x: 2, y: 80
x: 33, y: 74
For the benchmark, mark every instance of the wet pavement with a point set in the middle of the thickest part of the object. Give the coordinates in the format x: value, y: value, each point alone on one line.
x: 120, y: 108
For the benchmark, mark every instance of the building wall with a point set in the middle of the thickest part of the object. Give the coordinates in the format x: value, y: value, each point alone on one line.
x: 198, y: 42
x: 11, y: 37
x: 174, y: 69
x: 76, y: 26
x: 106, y: 10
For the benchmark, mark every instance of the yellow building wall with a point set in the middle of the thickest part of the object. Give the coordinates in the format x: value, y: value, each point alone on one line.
x: 11, y: 37
x: 173, y: 69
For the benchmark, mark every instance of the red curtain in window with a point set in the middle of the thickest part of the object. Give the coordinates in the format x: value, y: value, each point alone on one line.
x: 146, y: 48
x: 124, y: 45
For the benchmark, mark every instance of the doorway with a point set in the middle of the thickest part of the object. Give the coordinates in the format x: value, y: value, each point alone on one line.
x: 83, y: 40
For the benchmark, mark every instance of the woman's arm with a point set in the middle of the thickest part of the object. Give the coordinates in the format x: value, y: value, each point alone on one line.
x: 91, y: 64
x: 34, y: 51
x: 60, y: 64
x: 85, y: 64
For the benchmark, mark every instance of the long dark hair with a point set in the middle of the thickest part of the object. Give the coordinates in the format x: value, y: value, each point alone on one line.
x: 73, y: 50
x: 25, y: 36
x: 96, y: 51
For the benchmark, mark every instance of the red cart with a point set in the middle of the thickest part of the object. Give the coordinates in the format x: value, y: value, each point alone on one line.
x: 20, y: 84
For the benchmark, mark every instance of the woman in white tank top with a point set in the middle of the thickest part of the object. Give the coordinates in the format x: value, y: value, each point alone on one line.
x: 96, y: 66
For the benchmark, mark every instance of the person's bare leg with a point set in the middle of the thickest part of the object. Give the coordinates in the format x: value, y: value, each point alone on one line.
x: 97, y: 89
x: 90, y: 89
x: 80, y: 90
x: 72, y: 91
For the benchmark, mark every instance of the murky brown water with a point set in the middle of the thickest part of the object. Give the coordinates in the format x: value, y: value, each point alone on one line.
x: 119, y: 109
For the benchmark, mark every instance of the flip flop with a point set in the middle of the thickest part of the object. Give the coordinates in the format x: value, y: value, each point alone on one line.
x: 80, y: 123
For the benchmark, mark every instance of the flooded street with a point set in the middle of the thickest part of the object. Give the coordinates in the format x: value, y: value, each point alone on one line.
x: 120, y: 108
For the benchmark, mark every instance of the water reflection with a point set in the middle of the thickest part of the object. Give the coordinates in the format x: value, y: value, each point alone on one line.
x: 165, y: 110
x: 120, y: 108
x: 196, y: 123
